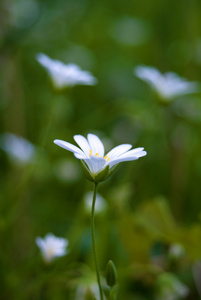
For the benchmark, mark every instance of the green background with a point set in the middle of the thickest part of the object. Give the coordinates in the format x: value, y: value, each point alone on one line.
x: 152, y: 203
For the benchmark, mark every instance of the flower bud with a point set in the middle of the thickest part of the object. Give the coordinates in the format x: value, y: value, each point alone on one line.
x: 111, y: 274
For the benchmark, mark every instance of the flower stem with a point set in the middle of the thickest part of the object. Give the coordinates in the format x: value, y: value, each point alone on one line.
x: 93, y: 240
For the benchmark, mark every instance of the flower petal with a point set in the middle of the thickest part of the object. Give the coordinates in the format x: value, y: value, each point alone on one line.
x: 118, y: 160
x: 40, y: 243
x: 128, y: 156
x: 95, y: 144
x: 168, y: 85
x: 83, y: 143
x: 138, y: 152
x: 149, y: 74
x: 134, y: 152
x: 68, y: 146
x: 80, y: 156
x: 119, y: 150
x: 95, y: 164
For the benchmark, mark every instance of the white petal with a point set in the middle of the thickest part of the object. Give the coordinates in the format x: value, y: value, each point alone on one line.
x: 40, y: 243
x: 95, y: 164
x: 95, y: 144
x: 49, y: 236
x: 44, y: 60
x: 63, y: 242
x: 83, y: 143
x: 118, y: 160
x: 128, y: 156
x: 149, y: 74
x: 115, y: 152
x: 80, y: 156
x: 64, y: 75
x: 134, y: 152
x: 68, y: 146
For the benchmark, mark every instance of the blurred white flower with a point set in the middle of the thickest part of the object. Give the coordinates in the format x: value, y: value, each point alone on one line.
x: 168, y: 85
x: 18, y: 149
x: 52, y: 246
x: 83, y: 289
x: 86, y: 286
x: 67, y: 170
x: 100, y: 205
x: 196, y: 270
x: 65, y: 75
x: 176, y: 251
x: 97, y: 165
x: 170, y: 288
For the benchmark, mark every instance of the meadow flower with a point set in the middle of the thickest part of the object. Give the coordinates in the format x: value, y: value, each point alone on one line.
x: 97, y: 165
x: 52, y: 246
x: 65, y: 75
x: 168, y: 85
x: 168, y: 287
x: 100, y: 206
x: 176, y: 251
x: 196, y: 270
x: 19, y: 149
x: 85, y: 291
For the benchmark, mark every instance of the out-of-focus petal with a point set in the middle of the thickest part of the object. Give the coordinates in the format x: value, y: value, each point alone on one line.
x: 68, y: 146
x: 83, y: 143
x: 95, y: 164
x: 95, y: 144
x: 118, y: 150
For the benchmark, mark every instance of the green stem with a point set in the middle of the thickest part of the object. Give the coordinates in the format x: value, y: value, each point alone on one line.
x: 93, y: 240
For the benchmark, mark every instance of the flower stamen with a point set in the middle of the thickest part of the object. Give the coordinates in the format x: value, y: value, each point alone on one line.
x: 90, y: 152
x: 106, y: 158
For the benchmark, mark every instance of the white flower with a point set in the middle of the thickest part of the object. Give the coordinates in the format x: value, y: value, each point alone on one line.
x: 176, y: 251
x: 67, y: 170
x: 64, y: 75
x: 170, y: 288
x: 52, y: 246
x: 83, y: 289
x: 168, y: 85
x: 196, y: 269
x: 19, y: 150
x: 92, y: 153
x: 100, y: 205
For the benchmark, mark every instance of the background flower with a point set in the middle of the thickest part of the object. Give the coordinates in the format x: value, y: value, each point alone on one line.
x: 101, y: 205
x: 64, y: 75
x: 19, y: 149
x: 52, y: 246
x: 168, y: 85
x: 170, y: 288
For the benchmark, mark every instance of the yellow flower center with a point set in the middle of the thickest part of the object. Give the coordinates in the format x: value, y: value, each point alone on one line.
x: 105, y: 157
x: 50, y: 252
